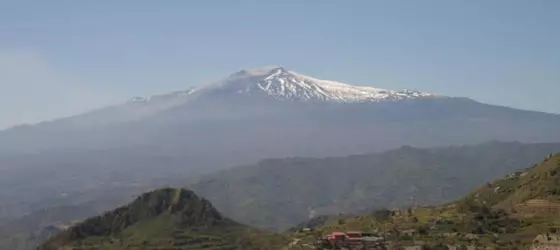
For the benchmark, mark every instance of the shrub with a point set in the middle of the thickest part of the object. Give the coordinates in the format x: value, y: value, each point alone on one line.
x: 382, y: 215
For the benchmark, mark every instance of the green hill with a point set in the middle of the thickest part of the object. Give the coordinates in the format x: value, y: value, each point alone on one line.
x: 508, y: 213
x: 162, y: 219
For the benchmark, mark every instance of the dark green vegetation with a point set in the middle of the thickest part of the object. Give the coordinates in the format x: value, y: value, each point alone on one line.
x: 280, y: 193
x: 505, y: 214
x: 163, y: 219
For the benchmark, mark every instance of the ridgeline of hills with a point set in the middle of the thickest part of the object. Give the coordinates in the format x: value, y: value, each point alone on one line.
x: 279, y: 193
x: 162, y: 219
x: 519, y: 211
x: 509, y: 213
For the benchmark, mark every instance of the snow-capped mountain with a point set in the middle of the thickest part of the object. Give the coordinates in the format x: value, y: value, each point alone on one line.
x: 249, y: 116
x: 273, y: 112
x: 281, y: 84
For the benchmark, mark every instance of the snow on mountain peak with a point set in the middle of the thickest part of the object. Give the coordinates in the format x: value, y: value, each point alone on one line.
x: 280, y: 83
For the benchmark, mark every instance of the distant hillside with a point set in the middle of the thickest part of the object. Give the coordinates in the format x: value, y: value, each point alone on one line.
x: 519, y: 211
x: 30, y: 230
x: 166, y: 218
x: 280, y: 193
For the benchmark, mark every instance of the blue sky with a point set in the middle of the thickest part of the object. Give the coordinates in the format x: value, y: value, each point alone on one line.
x: 63, y: 57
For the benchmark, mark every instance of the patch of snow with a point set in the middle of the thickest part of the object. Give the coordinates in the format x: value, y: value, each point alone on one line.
x: 282, y: 84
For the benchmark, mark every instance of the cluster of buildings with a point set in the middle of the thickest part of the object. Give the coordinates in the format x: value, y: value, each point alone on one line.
x: 351, y: 240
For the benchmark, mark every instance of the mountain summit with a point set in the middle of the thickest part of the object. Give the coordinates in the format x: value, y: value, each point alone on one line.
x: 281, y: 84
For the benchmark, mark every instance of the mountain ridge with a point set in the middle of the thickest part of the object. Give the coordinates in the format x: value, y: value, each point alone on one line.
x: 278, y: 193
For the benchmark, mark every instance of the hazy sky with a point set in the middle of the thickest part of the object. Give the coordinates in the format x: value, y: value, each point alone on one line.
x: 62, y: 57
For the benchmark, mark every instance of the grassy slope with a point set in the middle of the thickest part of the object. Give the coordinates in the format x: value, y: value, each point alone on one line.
x: 495, y: 215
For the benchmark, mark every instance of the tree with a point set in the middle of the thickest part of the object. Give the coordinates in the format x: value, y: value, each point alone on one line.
x: 423, y: 230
